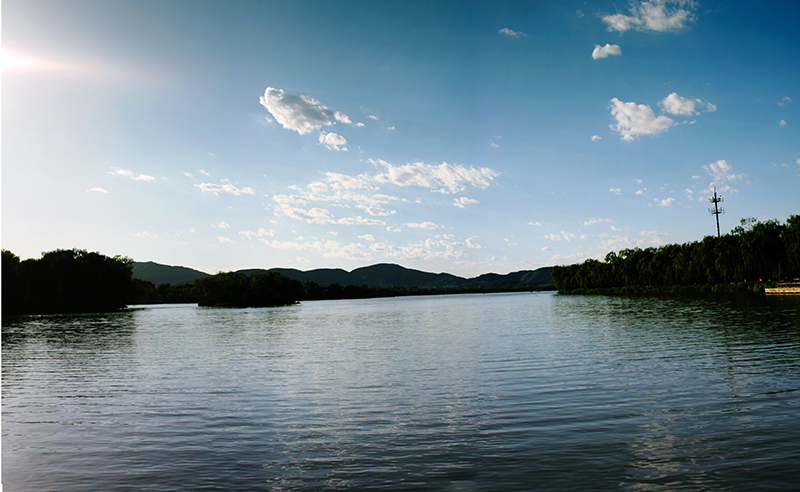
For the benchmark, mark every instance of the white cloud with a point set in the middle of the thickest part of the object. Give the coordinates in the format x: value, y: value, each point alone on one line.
x: 537, y: 224
x: 204, y: 172
x: 359, y: 125
x: 393, y: 229
x: 444, y: 177
x: 359, y: 220
x: 606, y: 51
x: 667, y: 202
x: 352, y: 251
x: 559, y: 237
x: 390, y: 127
x: 721, y: 176
x: 223, y: 225
x: 512, y: 34
x: 494, y: 145
x: 653, y: 15
x: 260, y: 234
x: 616, y: 191
x: 300, y: 113
x: 98, y: 190
x: 373, y: 117
x: 786, y: 100
x: 314, y: 215
x: 596, y: 221
x: 333, y: 141
x: 547, y: 248
x: 345, y: 182
x: 783, y: 123
x: 683, y: 106
x: 226, y: 188
x: 129, y: 174
x: 321, y: 216
x: 318, y: 187
x: 367, y: 237
x: 223, y: 239
x: 428, y: 226
x: 462, y: 201
x: 595, y: 138
x: 637, y: 119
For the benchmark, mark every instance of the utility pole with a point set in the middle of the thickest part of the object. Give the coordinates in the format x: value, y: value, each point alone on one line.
x: 716, y: 211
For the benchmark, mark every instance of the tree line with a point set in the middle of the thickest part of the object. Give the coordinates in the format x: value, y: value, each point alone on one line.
x: 65, y: 280
x: 754, y: 251
x: 76, y: 280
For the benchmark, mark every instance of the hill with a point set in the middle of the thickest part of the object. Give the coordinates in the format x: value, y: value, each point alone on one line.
x: 165, y: 274
x: 380, y: 275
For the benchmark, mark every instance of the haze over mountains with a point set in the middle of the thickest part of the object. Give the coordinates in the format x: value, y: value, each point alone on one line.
x: 380, y: 275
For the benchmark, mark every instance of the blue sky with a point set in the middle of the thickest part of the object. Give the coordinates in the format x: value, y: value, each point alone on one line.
x: 465, y: 137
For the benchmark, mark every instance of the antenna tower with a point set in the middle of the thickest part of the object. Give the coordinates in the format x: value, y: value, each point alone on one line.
x: 716, y: 211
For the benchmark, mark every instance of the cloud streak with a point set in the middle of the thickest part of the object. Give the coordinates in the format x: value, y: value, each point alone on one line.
x: 225, y: 188
x: 130, y: 174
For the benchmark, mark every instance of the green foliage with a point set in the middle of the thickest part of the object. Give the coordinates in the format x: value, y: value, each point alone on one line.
x: 71, y: 280
x: 753, y: 251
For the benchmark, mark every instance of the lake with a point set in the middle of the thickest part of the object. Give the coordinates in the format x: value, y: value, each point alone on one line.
x: 530, y: 391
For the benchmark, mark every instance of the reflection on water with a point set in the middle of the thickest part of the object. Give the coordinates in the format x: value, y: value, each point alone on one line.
x: 473, y: 392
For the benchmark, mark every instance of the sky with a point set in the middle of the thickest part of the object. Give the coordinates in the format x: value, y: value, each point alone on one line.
x: 447, y: 136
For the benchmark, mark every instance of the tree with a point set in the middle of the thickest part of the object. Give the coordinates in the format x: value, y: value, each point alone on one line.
x: 72, y: 280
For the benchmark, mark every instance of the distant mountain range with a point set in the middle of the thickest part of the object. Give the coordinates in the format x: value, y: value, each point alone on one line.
x: 380, y: 275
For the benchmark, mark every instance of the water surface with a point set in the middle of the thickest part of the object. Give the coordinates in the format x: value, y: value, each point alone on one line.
x: 468, y: 392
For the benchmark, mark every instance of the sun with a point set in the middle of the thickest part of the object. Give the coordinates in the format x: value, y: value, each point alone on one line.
x: 15, y: 61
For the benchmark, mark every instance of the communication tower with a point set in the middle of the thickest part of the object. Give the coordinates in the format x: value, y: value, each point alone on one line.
x: 716, y: 210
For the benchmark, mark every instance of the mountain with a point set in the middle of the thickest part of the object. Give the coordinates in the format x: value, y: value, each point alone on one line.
x: 165, y: 274
x: 391, y: 275
x: 380, y: 275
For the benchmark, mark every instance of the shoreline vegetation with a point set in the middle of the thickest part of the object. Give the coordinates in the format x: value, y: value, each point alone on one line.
x: 72, y: 281
x: 753, y: 256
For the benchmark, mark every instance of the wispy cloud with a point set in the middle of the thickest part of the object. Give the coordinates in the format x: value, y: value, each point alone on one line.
x: 606, y: 51
x: 653, y: 15
x: 597, y: 220
x: 562, y: 236
x: 225, y: 188
x: 637, y: 119
x: 300, y: 113
x: 784, y: 101
x: 512, y: 34
x: 98, y: 189
x: 260, y: 234
x: 444, y: 177
x: 130, y: 174
x: 428, y: 226
x: 595, y: 138
x: 722, y: 176
x: 463, y: 201
x: 616, y: 191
